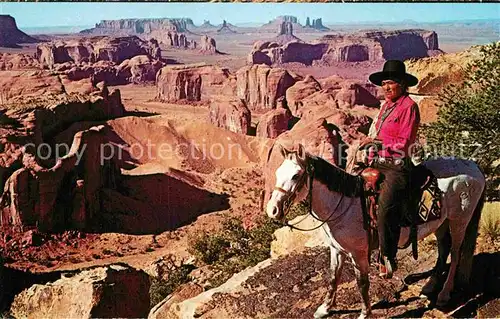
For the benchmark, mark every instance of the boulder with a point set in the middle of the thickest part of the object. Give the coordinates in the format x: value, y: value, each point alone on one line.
x: 111, y: 291
x: 230, y: 113
x: 288, y: 240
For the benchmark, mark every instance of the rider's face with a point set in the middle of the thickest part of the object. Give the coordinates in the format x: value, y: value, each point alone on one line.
x: 392, y: 90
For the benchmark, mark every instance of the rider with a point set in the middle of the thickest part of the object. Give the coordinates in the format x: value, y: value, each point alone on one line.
x: 392, y: 132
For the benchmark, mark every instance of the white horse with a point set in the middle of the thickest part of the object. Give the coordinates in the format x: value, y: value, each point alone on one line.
x: 335, y: 200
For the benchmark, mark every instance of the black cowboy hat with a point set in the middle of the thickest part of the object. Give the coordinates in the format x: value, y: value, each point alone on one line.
x: 393, y: 70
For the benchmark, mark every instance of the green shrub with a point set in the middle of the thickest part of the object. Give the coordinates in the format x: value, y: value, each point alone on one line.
x: 234, y: 248
x: 469, y: 118
x: 170, y: 277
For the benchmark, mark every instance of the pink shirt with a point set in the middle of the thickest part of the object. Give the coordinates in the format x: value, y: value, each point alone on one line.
x: 399, y: 130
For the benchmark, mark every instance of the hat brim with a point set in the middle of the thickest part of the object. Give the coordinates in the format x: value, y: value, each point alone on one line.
x: 377, y: 78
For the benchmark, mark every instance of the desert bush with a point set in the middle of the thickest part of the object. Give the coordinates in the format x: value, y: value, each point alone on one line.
x: 234, y: 248
x: 469, y: 118
x: 171, y: 274
x: 490, y: 221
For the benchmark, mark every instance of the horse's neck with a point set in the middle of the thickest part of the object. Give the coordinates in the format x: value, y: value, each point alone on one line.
x: 331, y: 205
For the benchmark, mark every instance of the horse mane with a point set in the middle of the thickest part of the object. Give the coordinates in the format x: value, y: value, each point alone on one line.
x: 335, y: 178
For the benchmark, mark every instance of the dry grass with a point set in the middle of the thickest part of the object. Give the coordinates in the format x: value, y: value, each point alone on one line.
x: 490, y: 221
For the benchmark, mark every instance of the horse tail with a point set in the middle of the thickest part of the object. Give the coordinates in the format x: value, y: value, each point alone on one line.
x: 469, y: 244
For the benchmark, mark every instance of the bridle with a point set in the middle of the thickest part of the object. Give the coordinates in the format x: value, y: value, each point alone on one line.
x: 308, y: 172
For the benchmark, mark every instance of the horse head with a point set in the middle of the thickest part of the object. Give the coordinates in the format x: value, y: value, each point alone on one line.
x: 291, y: 176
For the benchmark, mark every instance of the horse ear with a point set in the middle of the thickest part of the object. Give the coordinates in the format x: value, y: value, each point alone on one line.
x: 301, y: 152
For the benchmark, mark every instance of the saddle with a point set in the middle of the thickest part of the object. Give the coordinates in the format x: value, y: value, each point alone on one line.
x: 424, y: 202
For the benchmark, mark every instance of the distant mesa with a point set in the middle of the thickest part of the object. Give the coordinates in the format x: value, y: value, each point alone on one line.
x: 139, y: 26
x: 10, y: 35
x: 225, y: 28
x: 358, y: 47
x: 316, y: 25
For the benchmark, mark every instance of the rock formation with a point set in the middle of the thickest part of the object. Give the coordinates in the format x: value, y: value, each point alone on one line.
x: 276, y: 121
x: 434, y: 73
x: 94, y: 49
x: 65, y: 195
x: 368, y: 46
x: 225, y: 28
x: 18, y: 61
x: 139, y: 26
x: 10, y: 35
x: 208, y: 45
x: 260, y: 86
x: 230, y: 113
x: 111, y: 291
x: 285, y: 34
x: 317, y: 24
x: 139, y: 69
x: 191, y: 82
x: 172, y: 39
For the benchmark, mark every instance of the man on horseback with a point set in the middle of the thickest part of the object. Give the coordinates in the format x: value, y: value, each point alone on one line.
x: 392, y: 133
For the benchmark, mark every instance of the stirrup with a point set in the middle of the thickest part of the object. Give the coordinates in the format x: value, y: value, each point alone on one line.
x: 385, y: 269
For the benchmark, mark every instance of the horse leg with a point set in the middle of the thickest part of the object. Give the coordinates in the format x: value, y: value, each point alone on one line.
x: 336, y: 262
x: 361, y: 269
x: 457, y: 231
x: 444, y: 244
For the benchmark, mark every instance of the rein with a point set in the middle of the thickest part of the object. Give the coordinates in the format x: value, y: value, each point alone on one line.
x: 291, y: 197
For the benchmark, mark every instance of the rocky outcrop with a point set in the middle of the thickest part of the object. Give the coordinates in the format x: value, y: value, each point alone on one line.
x: 172, y: 39
x: 191, y: 82
x: 275, y: 122
x: 17, y: 61
x: 139, y: 26
x: 178, y: 83
x: 300, y: 90
x: 434, y: 73
x: 94, y: 49
x: 230, y: 113
x: 208, y: 45
x: 405, y: 44
x: 111, y: 291
x: 260, y: 86
x: 288, y: 240
x: 10, y: 35
x: 139, y: 69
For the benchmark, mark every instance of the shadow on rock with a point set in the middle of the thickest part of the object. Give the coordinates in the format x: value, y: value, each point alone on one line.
x: 155, y: 203
x: 484, y: 287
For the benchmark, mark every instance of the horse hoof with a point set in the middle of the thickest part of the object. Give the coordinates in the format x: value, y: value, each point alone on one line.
x: 321, y: 312
x: 442, y: 300
x: 428, y: 288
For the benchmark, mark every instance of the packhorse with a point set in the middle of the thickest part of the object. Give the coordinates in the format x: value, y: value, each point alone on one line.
x: 335, y: 198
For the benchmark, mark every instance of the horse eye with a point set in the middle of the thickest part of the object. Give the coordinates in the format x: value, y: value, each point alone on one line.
x: 295, y: 177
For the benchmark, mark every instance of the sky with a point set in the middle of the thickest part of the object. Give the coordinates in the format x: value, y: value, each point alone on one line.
x: 88, y: 14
